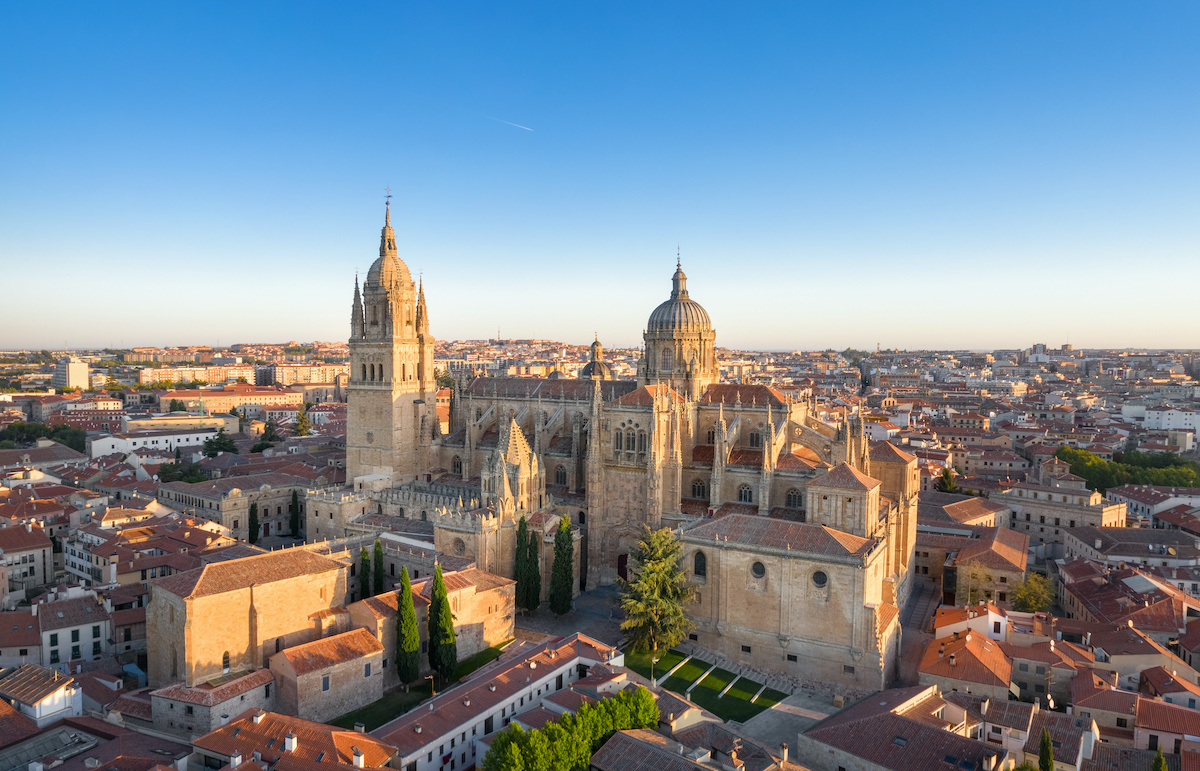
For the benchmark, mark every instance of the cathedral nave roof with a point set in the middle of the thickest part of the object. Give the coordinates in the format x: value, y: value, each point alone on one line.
x: 747, y: 395
x: 754, y: 530
x: 531, y: 388
x: 644, y: 396
x: 845, y: 477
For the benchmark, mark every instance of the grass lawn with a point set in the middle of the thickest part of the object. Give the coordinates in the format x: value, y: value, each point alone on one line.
x: 770, y: 697
x: 392, y: 705
x: 735, y: 705
x: 685, y: 676
x: 640, y: 662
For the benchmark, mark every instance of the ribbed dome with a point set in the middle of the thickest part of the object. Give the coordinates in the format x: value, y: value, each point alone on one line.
x: 680, y: 312
x: 387, y: 270
x: 596, y: 370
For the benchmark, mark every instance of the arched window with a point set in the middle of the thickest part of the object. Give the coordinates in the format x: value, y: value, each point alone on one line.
x: 755, y: 439
x: 745, y: 494
x: 794, y: 499
x: 617, y: 442
x: 629, y: 440
x: 456, y: 465
x: 699, y: 565
x: 225, y: 663
x: 375, y: 315
x: 560, y: 475
x: 582, y: 518
x: 699, y: 489
x: 364, y: 375
x: 712, y: 436
x: 641, y: 443
x: 372, y: 373
x: 478, y: 413
x: 668, y: 358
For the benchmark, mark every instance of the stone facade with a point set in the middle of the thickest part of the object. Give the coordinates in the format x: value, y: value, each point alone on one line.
x: 231, y: 616
x: 326, y: 678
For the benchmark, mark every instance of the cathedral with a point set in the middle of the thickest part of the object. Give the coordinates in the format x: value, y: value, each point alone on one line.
x: 798, y: 534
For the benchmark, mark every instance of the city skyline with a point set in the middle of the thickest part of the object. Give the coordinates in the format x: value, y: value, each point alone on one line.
x: 926, y: 177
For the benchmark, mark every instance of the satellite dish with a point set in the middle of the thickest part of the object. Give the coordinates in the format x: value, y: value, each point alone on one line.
x: 1171, y: 550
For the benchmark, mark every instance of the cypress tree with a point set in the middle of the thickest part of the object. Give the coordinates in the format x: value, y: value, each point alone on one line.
x: 408, y: 636
x: 1045, y: 753
x: 254, y: 523
x: 520, y: 574
x: 562, y: 575
x: 364, y: 574
x: 533, y: 596
x: 443, y: 656
x: 294, y: 512
x: 1160, y: 762
x: 378, y: 567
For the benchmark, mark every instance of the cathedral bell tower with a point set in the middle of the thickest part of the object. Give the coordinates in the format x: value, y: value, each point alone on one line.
x: 391, y: 411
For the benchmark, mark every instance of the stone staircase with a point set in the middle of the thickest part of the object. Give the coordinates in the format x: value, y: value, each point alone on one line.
x: 776, y: 682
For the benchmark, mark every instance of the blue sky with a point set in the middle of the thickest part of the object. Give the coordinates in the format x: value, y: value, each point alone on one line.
x: 836, y: 174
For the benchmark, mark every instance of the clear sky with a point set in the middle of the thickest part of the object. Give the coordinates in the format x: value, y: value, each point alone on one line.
x: 974, y: 174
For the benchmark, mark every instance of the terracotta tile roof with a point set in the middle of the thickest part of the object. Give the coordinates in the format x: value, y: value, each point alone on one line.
x: 14, y: 727
x: 73, y: 612
x: 1162, y: 682
x: 313, y: 740
x: 963, y: 509
x: 887, y: 613
x: 209, y: 695
x: 571, y: 699
x: 703, y: 454
x: 999, y: 549
x: 746, y: 457
x: 803, y: 538
x: 331, y: 651
x: 976, y: 659
x: 1109, y: 757
x: 29, y: 683
x: 1066, y: 733
x: 19, y: 629
x: 17, y: 539
x: 644, y: 396
x: 886, y: 452
x: 236, y: 574
x: 799, y: 459
x: 845, y: 477
x: 1168, y: 718
x: 732, y: 393
x: 873, y: 731
x: 948, y: 616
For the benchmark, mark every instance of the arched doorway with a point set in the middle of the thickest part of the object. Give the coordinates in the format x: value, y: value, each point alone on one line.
x: 623, y: 566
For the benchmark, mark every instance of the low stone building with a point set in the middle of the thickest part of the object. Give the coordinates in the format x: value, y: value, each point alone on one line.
x: 228, y: 500
x: 231, y: 616
x: 323, y: 679
x: 188, y: 712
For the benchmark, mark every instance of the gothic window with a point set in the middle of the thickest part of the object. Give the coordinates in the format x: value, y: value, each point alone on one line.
x: 374, y: 315
x: 794, y: 499
x: 755, y: 439
x: 456, y: 465
x: 699, y: 489
x: 364, y: 375
x: 700, y: 565
x: 560, y: 475
x: 460, y: 548
x: 225, y: 663
x: 641, y: 442
x: 712, y: 436
x: 617, y: 442
x: 668, y: 359
x: 372, y: 373
x: 745, y: 494
x: 630, y: 438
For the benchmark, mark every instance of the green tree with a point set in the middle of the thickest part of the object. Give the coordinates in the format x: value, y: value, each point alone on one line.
x: 533, y: 586
x: 271, y: 431
x: 1026, y: 766
x: 364, y: 574
x: 1033, y: 594
x: 220, y: 443
x: 520, y: 574
x: 294, y: 514
x: 946, y: 482
x: 1160, y: 762
x: 504, y: 753
x: 302, y: 425
x: 654, y: 601
x: 443, y: 378
x: 378, y: 567
x: 260, y: 446
x: 1045, y: 752
x: 177, y: 405
x: 254, y: 523
x: 973, y: 583
x: 408, y: 635
x: 562, y: 574
x: 443, y: 644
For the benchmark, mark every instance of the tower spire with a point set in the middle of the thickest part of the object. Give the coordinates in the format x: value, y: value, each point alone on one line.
x: 387, y: 236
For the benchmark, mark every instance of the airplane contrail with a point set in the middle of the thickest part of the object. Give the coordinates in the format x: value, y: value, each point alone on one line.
x: 518, y: 125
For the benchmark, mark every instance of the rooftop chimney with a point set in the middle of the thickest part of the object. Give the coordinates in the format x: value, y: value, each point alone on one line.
x: 235, y: 759
x: 289, y: 742
x: 783, y: 752
x: 359, y: 760
x: 258, y: 716
x: 952, y: 660
x: 360, y: 728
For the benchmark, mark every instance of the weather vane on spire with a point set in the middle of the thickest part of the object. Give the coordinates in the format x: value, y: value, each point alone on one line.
x: 388, y: 197
x: 678, y: 264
